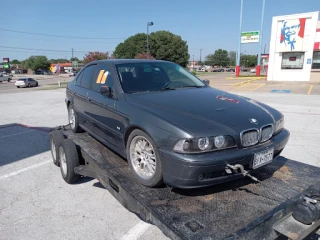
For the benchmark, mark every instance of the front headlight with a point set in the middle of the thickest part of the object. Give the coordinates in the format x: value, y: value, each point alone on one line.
x: 279, y: 125
x: 204, y: 144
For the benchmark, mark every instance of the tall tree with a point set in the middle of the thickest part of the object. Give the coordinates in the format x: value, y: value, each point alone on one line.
x: 37, y: 62
x: 248, y: 60
x: 164, y: 45
x: 15, y: 61
x: 93, y: 56
x: 74, y: 59
x: 59, y: 60
x: 232, y: 58
x: 220, y: 58
x: 143, y: 56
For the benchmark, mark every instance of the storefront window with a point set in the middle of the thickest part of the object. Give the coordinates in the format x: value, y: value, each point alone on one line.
x: 316, y: 60
x: 292, y: 60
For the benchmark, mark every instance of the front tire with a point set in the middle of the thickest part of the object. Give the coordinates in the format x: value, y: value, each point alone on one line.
x: 9, y: 80
x: 69, y: 159
x: 144, y: 159
x: 73, y: 119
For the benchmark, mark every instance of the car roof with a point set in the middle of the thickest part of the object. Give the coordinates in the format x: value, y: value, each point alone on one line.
x: 123, y: 61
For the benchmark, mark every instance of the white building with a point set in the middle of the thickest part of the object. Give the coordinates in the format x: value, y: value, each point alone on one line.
x: 294, y: 48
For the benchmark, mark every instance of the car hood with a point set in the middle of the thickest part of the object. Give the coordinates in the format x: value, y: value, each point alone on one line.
x: 205, y: 111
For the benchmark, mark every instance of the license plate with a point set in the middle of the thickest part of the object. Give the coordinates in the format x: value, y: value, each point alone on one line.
x: 262, y: 158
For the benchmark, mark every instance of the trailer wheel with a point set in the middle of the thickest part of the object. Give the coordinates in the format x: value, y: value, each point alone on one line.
x: 56, y: 138
x: 144, y: 159
x: 69, y: 159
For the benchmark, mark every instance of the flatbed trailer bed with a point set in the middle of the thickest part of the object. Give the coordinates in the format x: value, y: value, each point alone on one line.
x: 241, y: 209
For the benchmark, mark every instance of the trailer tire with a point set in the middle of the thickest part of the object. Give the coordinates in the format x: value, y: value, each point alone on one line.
x: 157, y: 178
x: 69, y: 159
x: 56, y: 138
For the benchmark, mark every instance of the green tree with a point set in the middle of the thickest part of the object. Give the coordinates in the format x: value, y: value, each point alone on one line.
x: 232, y: 58
x: 200, y: 63
x: 93, y: 56
x: 143, y: 56
x: 15, y: 61
x: 59, y: 60
x: 74, y: 59
x: 220, y: 58
x: 248, y: 60
x: 37, y: 62
x: 163, y: 45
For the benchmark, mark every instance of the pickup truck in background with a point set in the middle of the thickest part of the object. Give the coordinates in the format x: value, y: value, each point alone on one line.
x: 5, y: 77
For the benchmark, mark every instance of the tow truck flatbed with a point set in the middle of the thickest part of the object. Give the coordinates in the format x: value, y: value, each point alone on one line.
x: 241, y: 209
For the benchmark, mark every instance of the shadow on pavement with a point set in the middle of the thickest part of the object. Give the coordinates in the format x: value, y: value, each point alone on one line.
x: 20, y: 141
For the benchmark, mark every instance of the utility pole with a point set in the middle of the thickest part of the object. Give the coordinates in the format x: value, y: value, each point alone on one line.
x: 72, y: 52
x: 260, y: 39
x: 239, y: 43
x: 265, y: 45
x: 200, y: 54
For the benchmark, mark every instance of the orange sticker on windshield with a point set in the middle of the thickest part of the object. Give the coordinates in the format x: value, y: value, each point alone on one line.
x: 104, y: 78
x: 100, y: 76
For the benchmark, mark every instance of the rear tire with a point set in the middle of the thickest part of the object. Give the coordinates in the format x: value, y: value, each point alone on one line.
x: 29, y: 85
x: 56, y: 138
x: 69, y: 159
x: 9, y: 79
x: 73, y: 119
x: 18, y: 87
x: 154, y: 179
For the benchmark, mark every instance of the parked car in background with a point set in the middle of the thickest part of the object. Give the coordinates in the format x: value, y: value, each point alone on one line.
x: 252, y: 70
x: 26, y: 82
x: 72, y: 73
x: 218, y: 70
x: 4, y: 77
x: 230, y: 70
x: 42, y: 72
x: 169, y: 124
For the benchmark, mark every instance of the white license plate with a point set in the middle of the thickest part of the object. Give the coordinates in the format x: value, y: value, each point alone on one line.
x: 262, y: 158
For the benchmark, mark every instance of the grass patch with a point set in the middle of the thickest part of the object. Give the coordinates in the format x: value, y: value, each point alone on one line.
x: 54, y: 86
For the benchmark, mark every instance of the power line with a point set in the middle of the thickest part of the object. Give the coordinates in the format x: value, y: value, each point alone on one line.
x: 52, y: 35
x: 55, y: 40
x: 45, y: 50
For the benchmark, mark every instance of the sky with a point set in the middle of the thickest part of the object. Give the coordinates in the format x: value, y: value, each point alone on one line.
x: 207, y: 25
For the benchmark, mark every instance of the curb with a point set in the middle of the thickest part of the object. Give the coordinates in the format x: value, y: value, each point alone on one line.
x: 233, y: 78
x: 251, y: 80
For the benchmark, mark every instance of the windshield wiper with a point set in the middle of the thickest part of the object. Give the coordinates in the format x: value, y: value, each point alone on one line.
x: 190, y: 86
x: 167, y: 88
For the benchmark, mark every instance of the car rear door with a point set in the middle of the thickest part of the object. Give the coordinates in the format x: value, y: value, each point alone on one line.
x: 100, y: 108
x: 80, y: 94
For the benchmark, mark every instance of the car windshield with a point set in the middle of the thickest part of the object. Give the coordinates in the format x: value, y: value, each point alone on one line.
x: 155, y: 76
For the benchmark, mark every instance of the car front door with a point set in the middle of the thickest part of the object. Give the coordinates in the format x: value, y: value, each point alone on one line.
x: 101, y: 108
x: 80, y: 95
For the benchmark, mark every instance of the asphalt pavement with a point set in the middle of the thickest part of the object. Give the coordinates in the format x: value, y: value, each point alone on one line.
x: 36, y: 203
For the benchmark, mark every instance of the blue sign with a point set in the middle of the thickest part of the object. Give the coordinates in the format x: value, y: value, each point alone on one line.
x: 309, y: 61
x: 280, y: 91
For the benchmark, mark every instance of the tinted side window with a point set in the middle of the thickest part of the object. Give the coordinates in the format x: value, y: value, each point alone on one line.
x: 103, y: 76
x: 87, y: 76
x: 78, y: 78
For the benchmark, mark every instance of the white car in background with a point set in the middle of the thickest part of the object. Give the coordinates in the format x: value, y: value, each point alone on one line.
x: 253, y: 70
x: 26, y: 82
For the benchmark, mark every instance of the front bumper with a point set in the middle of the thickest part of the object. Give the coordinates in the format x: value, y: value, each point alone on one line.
x: 205, y: 169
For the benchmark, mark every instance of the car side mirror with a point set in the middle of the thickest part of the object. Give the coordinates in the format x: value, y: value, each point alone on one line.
x: 106, y: 91
x: 206, y: 82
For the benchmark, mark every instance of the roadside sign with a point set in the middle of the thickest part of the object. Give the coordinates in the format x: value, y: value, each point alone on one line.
x: 250, y: 37
x: 5, y: 60
x: 74, y: 64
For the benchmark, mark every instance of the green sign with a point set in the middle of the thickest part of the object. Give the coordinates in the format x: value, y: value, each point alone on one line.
x: 250, y: 37
x: 6, y: 66
x: 74, y: 64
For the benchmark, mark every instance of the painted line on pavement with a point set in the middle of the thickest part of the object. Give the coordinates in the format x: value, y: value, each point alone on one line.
x: 310, y: 89
x: 261, y: 85
x: 24, y: 170
x: 236, y: 88
x: 137, y: 231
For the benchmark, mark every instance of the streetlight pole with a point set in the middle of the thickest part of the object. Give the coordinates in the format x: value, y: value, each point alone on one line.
x: 260, y: 39
x: 239, y: 43
x: 192, y: 62
x: 148, y: 50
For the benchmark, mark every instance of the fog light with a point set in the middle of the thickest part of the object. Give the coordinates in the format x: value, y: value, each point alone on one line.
x: 219, y: 141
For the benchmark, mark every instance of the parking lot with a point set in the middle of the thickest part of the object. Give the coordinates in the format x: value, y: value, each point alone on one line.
x: 36, y: 203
